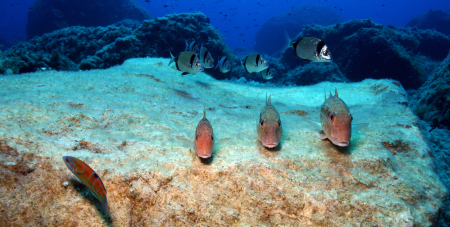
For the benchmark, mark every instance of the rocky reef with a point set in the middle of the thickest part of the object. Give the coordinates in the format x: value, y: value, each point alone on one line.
x: 431, y: 101
x: 363, y: 49
x: 84, y: 48
x: 433, y: 19
x: 49, y: 15
x: 270, y: 37
x: 134, y: 124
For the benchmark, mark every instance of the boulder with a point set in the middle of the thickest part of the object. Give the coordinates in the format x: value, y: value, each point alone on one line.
x: 134, y: 124
x: 433, y: 19
x: 49, y: 15
x: 270, y: 37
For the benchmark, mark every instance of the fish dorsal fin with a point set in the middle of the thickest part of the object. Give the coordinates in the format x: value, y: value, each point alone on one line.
x: 335, y: 92
x: 325, y: 92
x: 331, y: 94
x: 269, y: 101
x: 204, y: 112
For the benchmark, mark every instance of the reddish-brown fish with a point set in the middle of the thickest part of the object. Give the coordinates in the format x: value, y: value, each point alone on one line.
x: 204, y: 138
x: 336, y: 121
x: 269, y: 126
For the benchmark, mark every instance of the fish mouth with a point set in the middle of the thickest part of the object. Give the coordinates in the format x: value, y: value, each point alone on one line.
x: 342, y: 143
x: 270, y: 145
x: 204, y: 156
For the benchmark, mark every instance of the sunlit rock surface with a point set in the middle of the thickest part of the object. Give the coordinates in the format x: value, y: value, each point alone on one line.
x: 134, y: 124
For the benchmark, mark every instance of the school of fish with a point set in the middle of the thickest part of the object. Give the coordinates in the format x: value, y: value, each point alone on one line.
x: 335, y: 117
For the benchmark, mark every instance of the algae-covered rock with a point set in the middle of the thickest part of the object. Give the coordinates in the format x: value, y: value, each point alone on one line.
x: 134, y: 124
x: 431, y: 101
x: 363, y: 49
x: 270, y: 37
x: 433, y: 19
x: 49, y: 15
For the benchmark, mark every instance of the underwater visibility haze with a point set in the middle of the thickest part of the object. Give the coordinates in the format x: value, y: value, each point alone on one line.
x: 224, y: 113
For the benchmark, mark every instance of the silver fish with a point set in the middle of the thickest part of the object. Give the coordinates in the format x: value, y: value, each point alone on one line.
x: 336, y: 121
x: 206, y: 58
x: 187, y: 62
x: 311, y: 49
x: 204, y: 138
x: 224, y: 65
x: 266, y: 74
x: 57, y: 13
x: 269, y: 126
x: 193, y: 47
x: 254, y: 63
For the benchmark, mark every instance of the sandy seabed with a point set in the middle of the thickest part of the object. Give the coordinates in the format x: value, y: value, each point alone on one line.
x: 135, y: 123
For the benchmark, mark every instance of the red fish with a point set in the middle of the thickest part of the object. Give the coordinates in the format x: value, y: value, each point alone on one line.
x: 336, y: 121
x: 89, y: 177
x: 204, y: 138
x: 269, y: 126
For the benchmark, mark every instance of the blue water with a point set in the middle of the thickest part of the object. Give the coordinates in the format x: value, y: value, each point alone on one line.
x: 247, y: 15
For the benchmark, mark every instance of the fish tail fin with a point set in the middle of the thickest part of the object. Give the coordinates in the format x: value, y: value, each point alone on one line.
x: 218, y: 63
x: 172, y: 58
x: 287, y: 43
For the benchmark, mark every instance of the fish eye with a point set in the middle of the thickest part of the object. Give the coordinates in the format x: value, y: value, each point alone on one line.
x: 332, y: 116
x: 262, y: 123
x: 212, y: 137
x: 279, y: 124
x: 325, y: 53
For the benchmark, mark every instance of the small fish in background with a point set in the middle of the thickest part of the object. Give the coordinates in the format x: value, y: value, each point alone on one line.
x: 309, y: 49
x: 266, y: 74
x: 193, y: 47
x: 224, y: 65
x: 254, y: 63
x: 89, y: 178
x: 434, y: 125
x: 187, y: 62
x: 206, y: 58
x: 269, y: 126
x: 336, y: 121
x: 204, y: 138
x: 61, y: 24
x: 57, y: 13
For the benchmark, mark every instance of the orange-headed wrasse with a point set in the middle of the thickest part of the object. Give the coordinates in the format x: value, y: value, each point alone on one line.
x: 224, y: 65
x: 204, y: 138
x: 89, y: 177
x: 336, y: 120
x: 187, y: 62
x: 269, y: 126
x: 193, y: 47
x: 254, y: 63
x: 206, y: 58
x: 309, y: 49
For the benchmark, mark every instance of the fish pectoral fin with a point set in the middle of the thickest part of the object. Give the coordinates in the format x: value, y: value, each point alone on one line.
x: 184, y: 73
x: 359, y: 126
x: 321, y: 136
x: 314, y: 124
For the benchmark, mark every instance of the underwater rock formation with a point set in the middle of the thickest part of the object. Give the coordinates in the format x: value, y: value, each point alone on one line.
x: 363, y: 49
x: 134, y: 124
x: 433, y: 19
x: 50, y: 15
x: 270, y: 37
x: 431, y: 100
x: 86, y: 48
